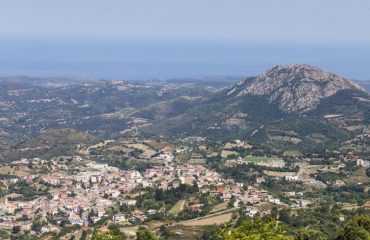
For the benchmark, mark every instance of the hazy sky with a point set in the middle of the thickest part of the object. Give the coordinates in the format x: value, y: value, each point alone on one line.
x: 145, y: 39
x: 267, y: 20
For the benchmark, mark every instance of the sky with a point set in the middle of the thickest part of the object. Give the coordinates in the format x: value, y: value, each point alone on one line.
x: 267, y: 20
x: 146, y: 39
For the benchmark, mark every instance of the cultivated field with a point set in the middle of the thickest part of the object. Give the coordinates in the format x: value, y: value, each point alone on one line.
x: 279, y: 174
x: 226, y: 153
x: 147, y: 151
x: 179, y: 206
x: 206, y: 221
x: 265, y: 161
x: 16, y: 171
x: 219, y: 207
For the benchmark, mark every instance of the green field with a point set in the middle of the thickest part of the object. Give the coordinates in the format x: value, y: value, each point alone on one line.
x: 265, y: 160
x: 219, y: 207
x: 179, y: 206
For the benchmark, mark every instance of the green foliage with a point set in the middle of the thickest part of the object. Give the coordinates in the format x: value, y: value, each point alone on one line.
x: 165, y: 232
x: 107, y: 235
x: 309, y: 234
x: 69, y: 229
x: 349, y: 193
x: 144, y: 234
x: 357, y: 228
x: 255, y: 229
x: 28, y: 192
x: 4, y: 234
x: 114, y: 228
x: 16, y: 229
x: 83, y: 235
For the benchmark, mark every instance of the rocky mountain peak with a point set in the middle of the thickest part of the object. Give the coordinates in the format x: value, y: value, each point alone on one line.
x: 296, y: 88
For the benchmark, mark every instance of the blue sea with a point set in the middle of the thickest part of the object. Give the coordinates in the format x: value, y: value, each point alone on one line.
x: 143, y: 60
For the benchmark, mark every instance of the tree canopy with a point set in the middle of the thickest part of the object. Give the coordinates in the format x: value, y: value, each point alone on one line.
x: 357, y: 228
x: 255, y: 229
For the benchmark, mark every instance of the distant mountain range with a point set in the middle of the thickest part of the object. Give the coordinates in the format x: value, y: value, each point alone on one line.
x: 289, y: 107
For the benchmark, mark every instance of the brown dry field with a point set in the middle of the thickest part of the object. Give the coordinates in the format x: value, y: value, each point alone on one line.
x: 147, y: 151
x: 279, y: 174
x: 224, y: 218
x: 23, y: 171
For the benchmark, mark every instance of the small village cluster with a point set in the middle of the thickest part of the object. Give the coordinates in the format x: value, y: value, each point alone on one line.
x: 82, y: 193
x: 83, y: 197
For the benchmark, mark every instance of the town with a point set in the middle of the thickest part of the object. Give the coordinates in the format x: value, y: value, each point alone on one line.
x: 66, y: 194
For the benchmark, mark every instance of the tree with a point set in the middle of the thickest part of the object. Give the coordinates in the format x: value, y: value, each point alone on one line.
x: 83, y: 235
x: 231, y: 202
x: 357, y: 228
x: 16, y: 229
x: 255, y: 229
x: 274, y: 212
x: 308, y: 234
x: 36, y: 225
x: 107, y: 235
x: 144, y: 234
x: 159, y: 195
x: 284, y: 215
x: 114, y: 228
x: 164, y: 232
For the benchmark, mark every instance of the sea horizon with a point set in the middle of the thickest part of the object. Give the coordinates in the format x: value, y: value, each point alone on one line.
x: 146, y: 60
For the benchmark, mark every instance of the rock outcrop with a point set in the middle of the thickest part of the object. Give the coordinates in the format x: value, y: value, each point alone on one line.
x: 296, y: 88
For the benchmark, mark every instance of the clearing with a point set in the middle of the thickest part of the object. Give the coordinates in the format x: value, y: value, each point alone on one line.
x: 219, y: 207
x: 179, y: 206
x: 206, y: 221
x: 265, y: 161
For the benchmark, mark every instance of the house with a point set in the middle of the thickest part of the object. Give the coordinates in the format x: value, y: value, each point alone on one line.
x: 13, y: 180
x: 226, y: 196
x: 151, y: 211
x: 305, y: 203
x: 195, y: 208
x: 137, y: 216
x: 176, y: 183
x: 129, y: 202
x: 274, y: 200
x: 342, y: 165
x: 350, y: 155
x: 291, y: 178
x: 26, y: 226
x: 363, y: 163
x: 115, y: 193
x: 251, y: 211
x: 367, y: 205
x: 43, y: 230
x: 165, y: 157
x: 146, y: 183
x: 119, y: 218
x: 100, y: 211
x: 260, y: 180
x: 339, y: 183
x: 217, y: 192
x: 289, y: 194
x: 6, y: 224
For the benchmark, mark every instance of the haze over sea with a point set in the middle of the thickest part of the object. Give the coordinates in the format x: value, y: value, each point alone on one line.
x: 141, y: 60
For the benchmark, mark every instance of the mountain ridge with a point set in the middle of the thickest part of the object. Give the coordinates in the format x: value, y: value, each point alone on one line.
x: 295, y: 87
x: 267, y: 109
x: 292, y: 106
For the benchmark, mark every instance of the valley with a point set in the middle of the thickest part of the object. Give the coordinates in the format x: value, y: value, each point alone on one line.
x: 179, y: 160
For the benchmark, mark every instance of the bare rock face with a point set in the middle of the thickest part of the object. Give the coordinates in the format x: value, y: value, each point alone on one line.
x: 296, y: 88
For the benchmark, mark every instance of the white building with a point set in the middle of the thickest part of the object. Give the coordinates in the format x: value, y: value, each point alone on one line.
x: 291, y: 178
x: 251, y: 211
